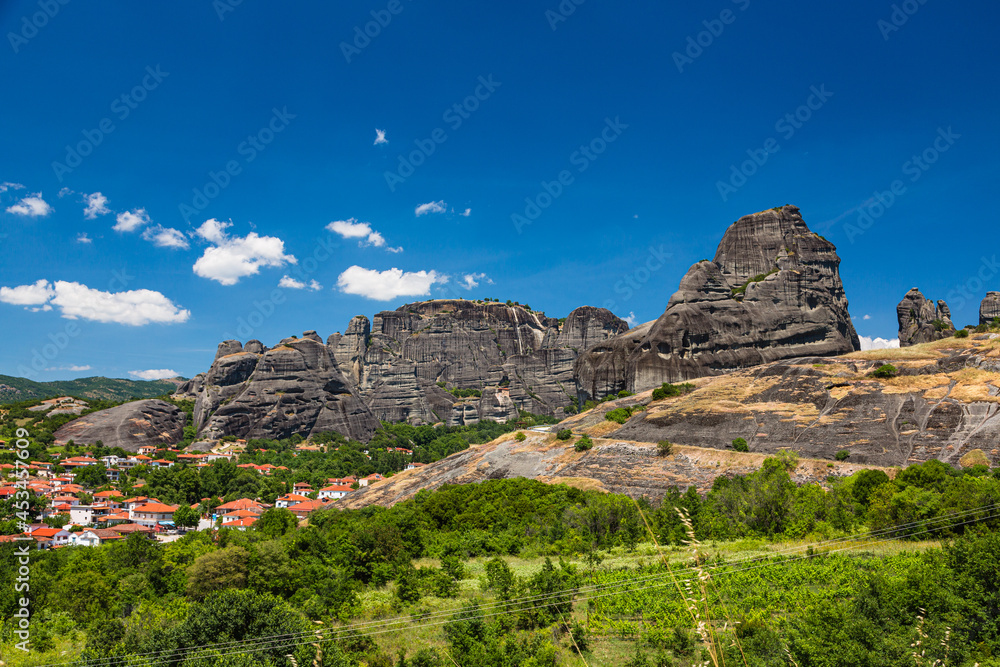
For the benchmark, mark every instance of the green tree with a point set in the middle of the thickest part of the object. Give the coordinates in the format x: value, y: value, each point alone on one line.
x: 186, y: 517
x: 218, y: 570
x: 275, y: 522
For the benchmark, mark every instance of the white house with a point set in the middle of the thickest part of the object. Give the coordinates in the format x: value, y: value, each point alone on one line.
x: 334, y: 491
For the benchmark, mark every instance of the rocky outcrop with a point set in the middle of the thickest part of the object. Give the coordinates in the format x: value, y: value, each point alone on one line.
x: 129, y: 426
x: 295, y: 387
x: 411, y: 362
x: 989, y: 309
x: 772, y: 292
x: 921, y: 320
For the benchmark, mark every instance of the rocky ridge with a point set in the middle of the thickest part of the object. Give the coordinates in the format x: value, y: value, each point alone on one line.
x: 772, y: 292
x: 129, y: 426
x: 921, y: 320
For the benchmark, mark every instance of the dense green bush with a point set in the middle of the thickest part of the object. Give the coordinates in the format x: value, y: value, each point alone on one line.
x: 740, y: 445
x: 584, y: 443
x: 664, y: 448
x: 618, y: 415
x: 564, y: 434
x: 962, y: 333
x: 842, y: 455
x: 520, y: 436
x: 885, y: 371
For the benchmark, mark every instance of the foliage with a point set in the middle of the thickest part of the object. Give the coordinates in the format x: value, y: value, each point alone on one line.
x: 520, y: 436
x: 962, y: 333
x: 842, y: 454
x: 564, y: 434
x: 584, y: 443
x: 664, y: 448
x: 740, y: 445
x: 885, y: 371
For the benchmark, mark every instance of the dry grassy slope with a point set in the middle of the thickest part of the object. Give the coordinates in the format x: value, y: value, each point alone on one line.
x: 944, y: 404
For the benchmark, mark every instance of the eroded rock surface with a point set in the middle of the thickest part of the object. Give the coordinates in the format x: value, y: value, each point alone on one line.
x: 989, y: 309
x: 772, y: 292
x: 129, y: 426
x: 921, y: 320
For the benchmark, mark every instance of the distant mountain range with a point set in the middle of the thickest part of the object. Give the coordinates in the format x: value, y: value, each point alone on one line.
x: 14, y: 389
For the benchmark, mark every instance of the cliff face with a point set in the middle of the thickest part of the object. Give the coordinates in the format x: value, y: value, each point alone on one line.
x: 295, y: 387
x: 409, y: 360
x: 921, y: 320
x: 772, y: 292
x: 408, y: 367
x: 989, y: 309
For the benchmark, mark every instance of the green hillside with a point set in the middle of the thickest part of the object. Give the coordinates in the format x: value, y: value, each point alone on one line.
x: 14, y: 389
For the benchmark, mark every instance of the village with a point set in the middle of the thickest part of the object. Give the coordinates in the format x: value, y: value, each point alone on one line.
x: 68, y: 513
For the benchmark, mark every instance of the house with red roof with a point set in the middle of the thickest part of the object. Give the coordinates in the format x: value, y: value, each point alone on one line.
x: 302, y: 510
x: 334, y: 491
x: 290, y: 499
x: 153, y: 514
x: 53, y: 537
x: 95, y: 537
x: 241, y: 504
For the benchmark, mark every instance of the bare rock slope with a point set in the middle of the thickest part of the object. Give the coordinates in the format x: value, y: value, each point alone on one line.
x: 129, y: 426
x: 772, y: 292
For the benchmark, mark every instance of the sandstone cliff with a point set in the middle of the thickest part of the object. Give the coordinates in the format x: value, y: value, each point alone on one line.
x: 410, y: 362
x: 772, y: 292
x: 921, y: 320
x: 296, y: 387
x: 989, y: 309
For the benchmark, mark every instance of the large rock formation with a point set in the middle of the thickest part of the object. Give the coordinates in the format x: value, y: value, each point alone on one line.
x: 295, y: 387
x: 921, y: 320
x: 409, y: 364
x: 989, y: 309
x: 454, y: 361
x: 129, y: 426
x: 772, y: 292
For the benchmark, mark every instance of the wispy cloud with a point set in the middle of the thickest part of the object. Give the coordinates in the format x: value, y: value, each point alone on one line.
x: 466, y: 213
x: 97, y: 204
x: 431, y: 207
x: 166, y: 237
x: 291, y: 283
x: 83, y: 238
x: 154, y: 374
x: 380, y: 137
x: 7, y: 185
x: 352, y: 229
x: 129, y: 221
x: 75, y: 369
x: 471, y: 280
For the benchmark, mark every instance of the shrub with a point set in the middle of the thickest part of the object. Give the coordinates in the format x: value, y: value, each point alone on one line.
x: 664, y: 448
x: 584, y: 443
x: 939, y: 325
x: 962, y: 333
x: 659, y: 394
x: 624, y: 393
x: 740, y: 445
x: 520, y: 436
x: 842, y: 455
x: 885, y: 371
x: 619, y: 415
x: 564, y: 434
x: 982, y: 328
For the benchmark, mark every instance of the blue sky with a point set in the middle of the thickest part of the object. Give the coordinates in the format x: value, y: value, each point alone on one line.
x: 554, y: 154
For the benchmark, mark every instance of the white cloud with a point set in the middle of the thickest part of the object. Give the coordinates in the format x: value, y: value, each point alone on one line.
x: 867, y: 317
x: 75, y: 369
x: 380, y: 137
x: 32, y: 206
x: 76, y: 301
x: 352, y: 229
x: 97, y: 204
x: 471, y: 280
x: 83, y: 238
x: 62, y: 192
x: 7, y: 185
x: 431, y: 207
x: 166, y: 237
x: 129, y: 221
x: 630, y: 319
x: 869, y: 343
x: 466, y: 213
x: 28, y: 295
x: 233, y: 257
x: 396, y: 250
x: 389, y: 284
x: 154, y: 374
x: 292, y: 283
